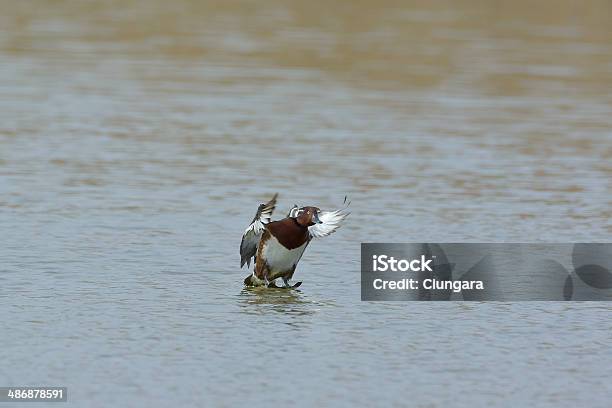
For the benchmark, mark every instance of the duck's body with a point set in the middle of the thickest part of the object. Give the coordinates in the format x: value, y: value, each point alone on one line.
x: 278, y: 246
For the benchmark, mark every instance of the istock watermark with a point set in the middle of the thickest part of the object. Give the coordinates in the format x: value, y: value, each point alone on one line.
x: 382, y: 263
x: 486, y: 272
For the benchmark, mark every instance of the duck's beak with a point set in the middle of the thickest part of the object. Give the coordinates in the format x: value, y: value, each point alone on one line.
x: 315, y: 218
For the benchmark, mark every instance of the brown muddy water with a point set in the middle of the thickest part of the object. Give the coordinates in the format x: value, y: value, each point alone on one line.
x: 138, y: 137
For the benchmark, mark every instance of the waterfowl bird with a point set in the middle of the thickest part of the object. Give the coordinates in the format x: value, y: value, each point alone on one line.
x: 277, y: 246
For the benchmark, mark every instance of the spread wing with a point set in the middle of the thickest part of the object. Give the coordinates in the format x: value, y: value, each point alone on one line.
x: 330, y: 221
x: 251, y: 236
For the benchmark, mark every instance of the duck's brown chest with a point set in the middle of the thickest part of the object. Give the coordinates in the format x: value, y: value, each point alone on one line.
x: 288, y: 233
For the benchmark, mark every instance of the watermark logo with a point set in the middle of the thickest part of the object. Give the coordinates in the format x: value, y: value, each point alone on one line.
x: 486, y: 272
x: 382, y: 263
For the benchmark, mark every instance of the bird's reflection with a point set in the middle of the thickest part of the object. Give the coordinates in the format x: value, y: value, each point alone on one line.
x: 288, y: 301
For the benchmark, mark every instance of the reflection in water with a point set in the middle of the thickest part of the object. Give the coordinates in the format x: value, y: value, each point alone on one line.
x: 265, y: 296
x: 285, y: 301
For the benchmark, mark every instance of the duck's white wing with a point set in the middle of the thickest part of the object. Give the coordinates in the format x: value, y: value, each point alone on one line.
x: 252, y: 235
x: 330, y: 222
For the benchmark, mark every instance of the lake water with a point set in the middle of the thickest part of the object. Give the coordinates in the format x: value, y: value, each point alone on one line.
x: 138, y: 137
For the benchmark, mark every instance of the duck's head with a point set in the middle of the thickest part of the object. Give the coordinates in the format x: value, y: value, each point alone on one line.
x: 305, y: 216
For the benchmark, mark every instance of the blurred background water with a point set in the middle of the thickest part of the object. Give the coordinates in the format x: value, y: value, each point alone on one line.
x: 138, y: 137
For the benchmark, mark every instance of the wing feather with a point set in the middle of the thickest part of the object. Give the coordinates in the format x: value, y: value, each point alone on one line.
x: 330, y: 222
x: 252, y: 235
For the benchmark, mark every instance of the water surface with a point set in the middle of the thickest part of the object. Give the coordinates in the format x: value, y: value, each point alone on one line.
x: 137, y: 138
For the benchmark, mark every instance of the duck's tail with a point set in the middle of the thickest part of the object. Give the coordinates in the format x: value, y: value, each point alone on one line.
x: 248, y: 281
x: 252, y: 280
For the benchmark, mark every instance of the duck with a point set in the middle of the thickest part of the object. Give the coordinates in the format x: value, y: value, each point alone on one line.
x: 276, y: 247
